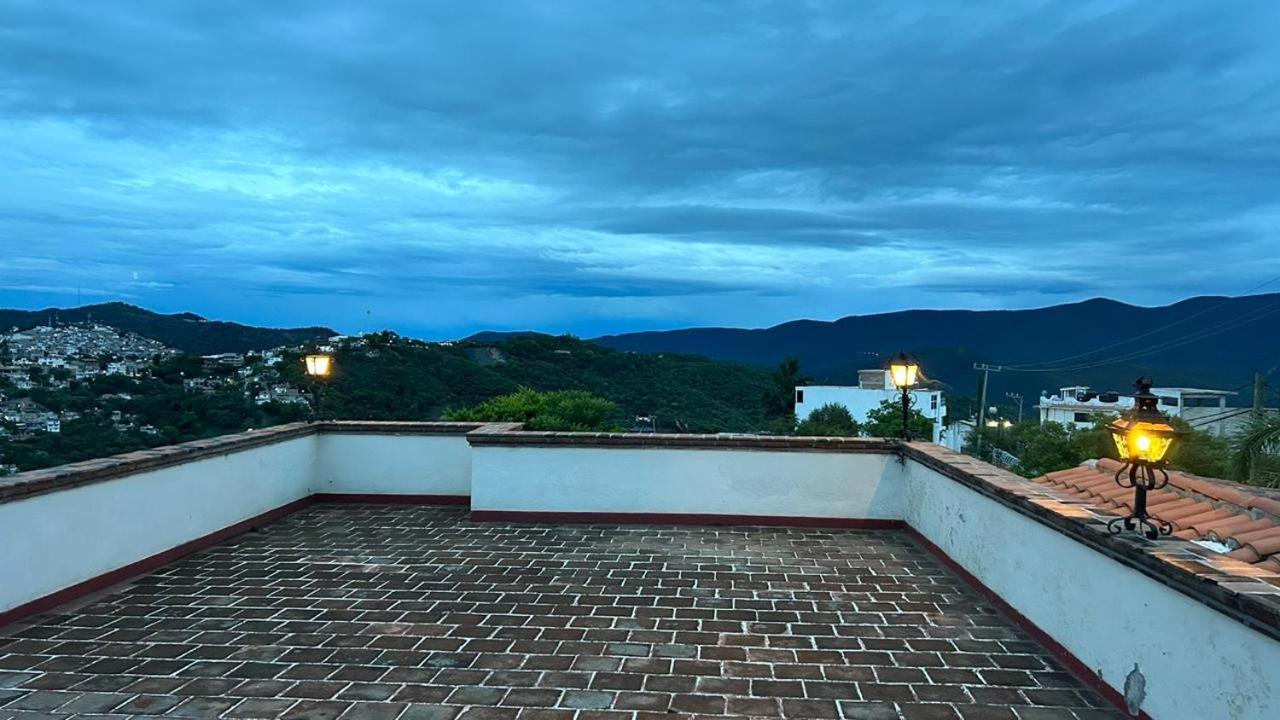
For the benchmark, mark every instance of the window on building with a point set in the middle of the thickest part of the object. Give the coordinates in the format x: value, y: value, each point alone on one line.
x: 1169, y: 401
x: 933, y: 402
x: 1082, y: 417
x: 799, y: 395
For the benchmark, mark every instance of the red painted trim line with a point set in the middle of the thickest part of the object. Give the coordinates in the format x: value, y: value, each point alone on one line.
x: 684, y: 519
x: 1083, y: 672
x: 146, y: 565
x: 378, y: 499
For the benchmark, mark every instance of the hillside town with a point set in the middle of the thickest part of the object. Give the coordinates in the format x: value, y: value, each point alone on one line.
x: 42, y: 367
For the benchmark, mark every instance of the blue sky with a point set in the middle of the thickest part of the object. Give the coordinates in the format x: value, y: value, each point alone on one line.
x: 442, y: 167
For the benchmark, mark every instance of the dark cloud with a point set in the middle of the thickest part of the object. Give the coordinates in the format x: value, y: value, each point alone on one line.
x: 586, y: 166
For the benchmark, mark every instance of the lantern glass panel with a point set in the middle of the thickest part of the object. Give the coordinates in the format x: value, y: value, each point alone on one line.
x: 1138, y: 440
x: 319, y: 365
x: 903, y: 374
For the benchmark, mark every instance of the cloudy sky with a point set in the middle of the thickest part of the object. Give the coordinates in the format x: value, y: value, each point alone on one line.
x: 441, y: 167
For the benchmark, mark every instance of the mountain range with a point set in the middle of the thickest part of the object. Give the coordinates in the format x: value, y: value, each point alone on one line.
x: 1210, y: 341
x: 184, y: 331
x: 1214, y: 342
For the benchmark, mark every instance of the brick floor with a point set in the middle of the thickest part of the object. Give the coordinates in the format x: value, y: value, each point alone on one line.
x: 361, y: 611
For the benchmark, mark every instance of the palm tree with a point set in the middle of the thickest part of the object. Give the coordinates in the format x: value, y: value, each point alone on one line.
x: 1251, y: 447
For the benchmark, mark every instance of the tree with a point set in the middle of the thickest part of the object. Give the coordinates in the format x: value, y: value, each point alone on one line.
x: 780, y: 398
x: 575, y: 410
x: 886, y: 422
x: 1199, y: 452
x: 1255, y: 451
x: 831, y: 420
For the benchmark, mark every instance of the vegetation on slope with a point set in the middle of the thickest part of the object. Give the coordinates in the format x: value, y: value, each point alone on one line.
x: 393, y: 378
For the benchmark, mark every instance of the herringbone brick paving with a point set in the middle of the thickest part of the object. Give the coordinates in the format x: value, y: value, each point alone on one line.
x: 364, y: 611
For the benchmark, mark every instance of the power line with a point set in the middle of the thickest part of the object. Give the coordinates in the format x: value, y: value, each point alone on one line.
x: 1028, y: 367
x: 1218, y: 417
x: 1249, y: 317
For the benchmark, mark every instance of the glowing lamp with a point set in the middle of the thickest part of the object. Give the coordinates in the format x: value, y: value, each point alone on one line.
x: 903, y: 371
x: 319, y: 366
x: 1143, y: 438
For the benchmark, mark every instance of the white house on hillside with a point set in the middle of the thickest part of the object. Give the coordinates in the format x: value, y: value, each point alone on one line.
x: 874, y: 387
x: 1205, y: 409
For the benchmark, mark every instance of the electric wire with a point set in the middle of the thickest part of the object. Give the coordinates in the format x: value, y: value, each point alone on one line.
x: 1250, y: 317
x: 1032, y: 366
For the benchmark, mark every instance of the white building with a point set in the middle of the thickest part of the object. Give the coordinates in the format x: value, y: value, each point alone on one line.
x: 1205, y: 409
x: 955, y: 435
x: 874, y: 387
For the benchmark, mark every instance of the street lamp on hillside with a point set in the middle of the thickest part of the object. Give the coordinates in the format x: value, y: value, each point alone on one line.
x: 319, y: 369
x: 904, y: 372
x: 1143, y: 438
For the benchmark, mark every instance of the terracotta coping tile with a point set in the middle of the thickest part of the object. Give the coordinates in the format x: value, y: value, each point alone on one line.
x: 1114, y: 491
x: 1109, y: 464
x: 1271, y: 563
x: 1245, y: 554
x: 1237, y: 526
x: 1183, y: 512
x: 1266, y: 505
x: 1265, y: 546
x: 1166, y: 497
x: 1189, y: 534
x: 1071, y: 473
x: 1208, y: 517
x: 1259, y: 534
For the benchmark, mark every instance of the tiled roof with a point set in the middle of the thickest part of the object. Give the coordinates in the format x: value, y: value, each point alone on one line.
x: 1245, y: 519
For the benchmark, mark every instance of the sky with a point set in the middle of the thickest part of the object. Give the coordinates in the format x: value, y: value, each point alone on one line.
x: 594, y: 167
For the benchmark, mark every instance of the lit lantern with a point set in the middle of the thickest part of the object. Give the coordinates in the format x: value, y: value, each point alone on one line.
x: 1143, y: 438
x: 319, y: 366
x: 903, y: 371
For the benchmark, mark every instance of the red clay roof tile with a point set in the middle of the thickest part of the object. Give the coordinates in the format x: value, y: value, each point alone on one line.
x: 1235, y: 526
x: 1196, y: 507
x: 1265, y: 546
x: 1259, y: 534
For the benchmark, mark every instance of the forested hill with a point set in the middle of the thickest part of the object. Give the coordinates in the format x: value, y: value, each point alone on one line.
x: 1204, y: 341
x: 184, y: 331
x: 392, y: 378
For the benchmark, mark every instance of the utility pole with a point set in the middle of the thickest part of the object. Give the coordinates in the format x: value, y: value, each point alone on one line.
x: 986, y: 371
x: 1259, y: 393
x: 1259, y: 405
x: 1016, y: 397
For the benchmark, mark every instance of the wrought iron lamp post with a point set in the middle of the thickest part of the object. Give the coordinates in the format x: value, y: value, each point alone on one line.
x: 1143, y: 438
x: 904, y: 371
x: 319, y: 369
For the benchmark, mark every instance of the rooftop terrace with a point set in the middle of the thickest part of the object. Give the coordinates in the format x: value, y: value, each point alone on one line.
x: 384, y: 611
x: 417, y: 570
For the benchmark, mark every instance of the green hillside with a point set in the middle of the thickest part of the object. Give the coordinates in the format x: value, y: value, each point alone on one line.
x: 392, y: 378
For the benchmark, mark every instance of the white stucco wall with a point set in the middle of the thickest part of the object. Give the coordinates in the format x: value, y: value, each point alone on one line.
x: 410, y: 464
x: 681, y: 481
x: 1198, y: 663
x: 53, y: 541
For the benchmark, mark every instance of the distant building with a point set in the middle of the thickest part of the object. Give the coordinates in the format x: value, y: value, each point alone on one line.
x: 955, y: 435
x: 30, y: 416
x: 874, y: 387
x: 128, y: 368
x: 227, y: 359
x: 1205, y: 409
